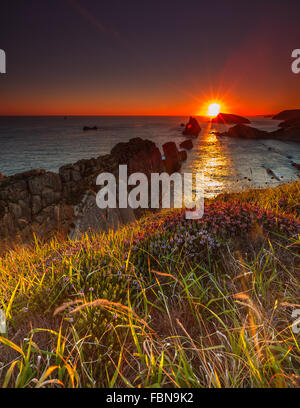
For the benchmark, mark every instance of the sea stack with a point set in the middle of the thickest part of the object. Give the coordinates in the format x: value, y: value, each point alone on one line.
x: 187, y: 144
x: 172, y: 157
x: 229, y: 118
x: 192, y: 128
x: 288, y: 114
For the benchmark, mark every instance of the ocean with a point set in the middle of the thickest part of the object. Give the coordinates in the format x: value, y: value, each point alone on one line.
x: 228, y: 164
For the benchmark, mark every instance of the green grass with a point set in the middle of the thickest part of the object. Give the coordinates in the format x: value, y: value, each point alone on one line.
x: 161, y: 303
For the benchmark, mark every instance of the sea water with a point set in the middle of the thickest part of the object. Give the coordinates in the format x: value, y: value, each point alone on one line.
x: 228, y: 164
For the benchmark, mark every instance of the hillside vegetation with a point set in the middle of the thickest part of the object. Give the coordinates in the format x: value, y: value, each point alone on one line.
x: 165, y: 302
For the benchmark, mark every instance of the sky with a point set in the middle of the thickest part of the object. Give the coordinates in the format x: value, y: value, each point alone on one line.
x: 158, y: 57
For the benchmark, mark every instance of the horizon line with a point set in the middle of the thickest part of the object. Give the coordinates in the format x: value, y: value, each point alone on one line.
x: 125, y: 115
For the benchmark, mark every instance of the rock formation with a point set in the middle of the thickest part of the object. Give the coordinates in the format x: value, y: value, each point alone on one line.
x: 172, y: 157
x: 290, y: 123
x: 290, y: 127
x: 296, y: 165
x: 187, y: 144
x: 245, y: 132
x: 43, y: 203
x: 182, y: 155
x: 291, y: 134
x: 46, y: 203
x: 31, y: 202
x: 140, y: 156
x: 228, y: 118
x: 87, y: 128
x: 287, y: 115
x: 90, y: 218
x: 192, y: 128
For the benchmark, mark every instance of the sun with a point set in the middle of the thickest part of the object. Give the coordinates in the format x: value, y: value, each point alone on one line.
x: 213, y: 109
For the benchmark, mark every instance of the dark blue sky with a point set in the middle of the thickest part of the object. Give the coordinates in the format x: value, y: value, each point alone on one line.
x: 148, y: 57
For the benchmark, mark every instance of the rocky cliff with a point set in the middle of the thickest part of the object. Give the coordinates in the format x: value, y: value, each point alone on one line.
x: 287, y: 114
x: 229, y: 118
x: 285, y: 133
x: 46, y: 203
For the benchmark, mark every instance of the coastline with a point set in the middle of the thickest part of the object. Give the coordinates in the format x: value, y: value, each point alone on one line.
x: 177, y: 285
x: 44, y: 204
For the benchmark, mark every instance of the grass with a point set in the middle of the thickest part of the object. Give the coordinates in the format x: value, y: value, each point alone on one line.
x: 162, y: 303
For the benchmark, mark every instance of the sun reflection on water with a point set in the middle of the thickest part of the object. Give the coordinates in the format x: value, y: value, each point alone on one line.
x: 211, y: 158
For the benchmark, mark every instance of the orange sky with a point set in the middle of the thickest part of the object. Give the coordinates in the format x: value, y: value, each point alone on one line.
x: 85, y: 58
x: 254, y: 104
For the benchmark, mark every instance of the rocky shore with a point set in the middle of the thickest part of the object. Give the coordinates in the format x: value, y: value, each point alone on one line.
x: 229, y: 118
x: 44, y: 203
x: 289, y: 129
